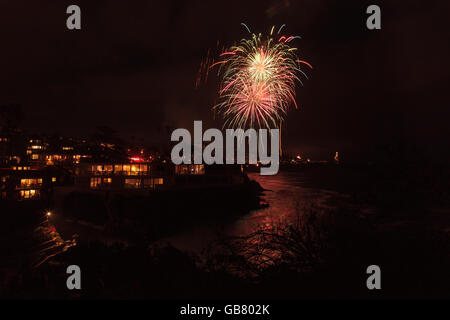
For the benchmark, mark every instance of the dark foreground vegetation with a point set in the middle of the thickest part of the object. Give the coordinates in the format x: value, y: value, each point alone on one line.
x: 323, y: 255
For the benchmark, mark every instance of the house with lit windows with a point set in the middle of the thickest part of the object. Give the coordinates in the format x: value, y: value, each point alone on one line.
x: 120, y: 176
x: 22, y: 183
x: 12, y: 148
x: 66, y: 153
x: 153, y: 176
x: 35, y: 151
x: 199, y: 175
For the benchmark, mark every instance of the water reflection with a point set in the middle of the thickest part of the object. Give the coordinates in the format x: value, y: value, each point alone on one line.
x: 287, y: 195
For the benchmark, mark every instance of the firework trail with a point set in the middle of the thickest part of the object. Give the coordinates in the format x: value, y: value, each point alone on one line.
x: 258, y: 78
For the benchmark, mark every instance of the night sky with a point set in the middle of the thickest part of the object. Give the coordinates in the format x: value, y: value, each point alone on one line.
x: 134, y: 64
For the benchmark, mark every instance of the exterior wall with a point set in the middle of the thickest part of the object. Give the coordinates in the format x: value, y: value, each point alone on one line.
x: 146, y: 176
x: 36, y: 151
x: 210, y: 175
x: 107, y: 176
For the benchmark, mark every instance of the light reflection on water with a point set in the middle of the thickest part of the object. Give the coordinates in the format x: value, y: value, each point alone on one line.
x: 286, y: 196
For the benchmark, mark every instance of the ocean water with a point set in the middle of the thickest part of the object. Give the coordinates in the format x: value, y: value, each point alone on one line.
x: 287, y: 196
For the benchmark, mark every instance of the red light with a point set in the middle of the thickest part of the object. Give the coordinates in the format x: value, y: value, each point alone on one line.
x: 136, y: 159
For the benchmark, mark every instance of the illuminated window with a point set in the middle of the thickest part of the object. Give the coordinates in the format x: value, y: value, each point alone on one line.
x: 153, y: 182
x: 96, y: 182
x: 132, y: 183
x: 124, y: 169
x: 102, y: 169
x: 194, y: 169
x: 34, y: 156
x: 135, y: 169
x: 30, y: 182
x: 29, y: 194
x: 118, y: 168
x: 53, y: 179
x: 107, y: 180
x: 143, y: 168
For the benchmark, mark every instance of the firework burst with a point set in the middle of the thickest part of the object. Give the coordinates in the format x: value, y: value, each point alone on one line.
x: 258, y: 78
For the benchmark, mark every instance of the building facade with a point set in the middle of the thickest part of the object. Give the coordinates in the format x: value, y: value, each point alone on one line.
x: 21, y: 183
x: 119, y: 176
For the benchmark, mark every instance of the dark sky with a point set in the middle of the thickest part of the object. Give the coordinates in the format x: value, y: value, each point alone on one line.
x: 134, y: 63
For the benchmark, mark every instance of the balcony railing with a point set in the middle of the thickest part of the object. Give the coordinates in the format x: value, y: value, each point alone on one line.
x: 29, y: 186
x: 119, y: 173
